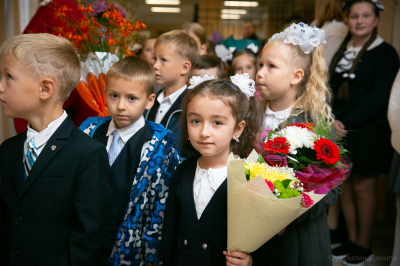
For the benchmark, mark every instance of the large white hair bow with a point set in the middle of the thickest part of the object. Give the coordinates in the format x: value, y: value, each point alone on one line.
x: 196, y: 80
x: 245, y: 84
x: 303, y: 35
x: 223, y: 53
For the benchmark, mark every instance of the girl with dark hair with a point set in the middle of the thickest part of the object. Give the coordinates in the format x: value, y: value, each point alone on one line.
x: 362, y: 73
x: 219, y: 117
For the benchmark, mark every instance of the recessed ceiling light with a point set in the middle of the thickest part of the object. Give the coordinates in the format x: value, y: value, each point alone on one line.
x: 165, y: 9
x: 241, y: 3
x: 230, y: 16
x: 163, y: 2
x: 234, y: 11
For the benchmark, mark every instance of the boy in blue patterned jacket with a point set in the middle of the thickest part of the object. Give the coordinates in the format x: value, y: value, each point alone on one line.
x: 142, y: 159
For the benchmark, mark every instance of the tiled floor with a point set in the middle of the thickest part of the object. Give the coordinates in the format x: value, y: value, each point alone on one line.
x: 382, y: 243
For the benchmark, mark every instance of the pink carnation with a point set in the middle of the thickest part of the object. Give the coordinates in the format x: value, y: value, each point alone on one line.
x: 306, y: 202
x: 270, y: 185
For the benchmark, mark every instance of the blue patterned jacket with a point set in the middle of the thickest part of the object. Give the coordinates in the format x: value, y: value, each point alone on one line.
x: 138, y: 239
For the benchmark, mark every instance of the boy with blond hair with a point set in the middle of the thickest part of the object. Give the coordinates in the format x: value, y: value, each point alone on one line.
x: 55, y: 181
x: 142, y: 158
x: 175, y: 54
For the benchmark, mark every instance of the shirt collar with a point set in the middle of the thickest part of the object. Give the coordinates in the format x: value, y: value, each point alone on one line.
x: 374, y: 44
x: 284, y: 114
x: 215, y: 176
x: 171, y: 98
x: 43, y: 136
x: 127, y: 132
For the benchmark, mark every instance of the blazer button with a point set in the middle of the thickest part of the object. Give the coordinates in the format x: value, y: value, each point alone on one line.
x: 15, y: 254
x: 18, y: 220
x: 204, y: 246
x: 185, y: 242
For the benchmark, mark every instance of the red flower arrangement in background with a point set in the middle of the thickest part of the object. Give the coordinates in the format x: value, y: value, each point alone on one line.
x: 278, y: 145
x: 327, y: 151
x: 308, y: 126
x: 106, y: 32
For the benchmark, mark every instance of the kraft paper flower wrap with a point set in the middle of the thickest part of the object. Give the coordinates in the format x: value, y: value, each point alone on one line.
x: 255, y: 214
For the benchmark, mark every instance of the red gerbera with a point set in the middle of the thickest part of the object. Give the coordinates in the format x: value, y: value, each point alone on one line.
x: 327, y: 151
x: 278, y: 145
x: 302, y: 125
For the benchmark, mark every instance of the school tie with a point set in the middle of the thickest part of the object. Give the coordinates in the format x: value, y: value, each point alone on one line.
x: 115, y: 148
x: 30, y: 157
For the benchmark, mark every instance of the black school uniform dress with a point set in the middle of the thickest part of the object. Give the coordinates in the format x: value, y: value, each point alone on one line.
x: 364, y: 111
x: 187, y: 240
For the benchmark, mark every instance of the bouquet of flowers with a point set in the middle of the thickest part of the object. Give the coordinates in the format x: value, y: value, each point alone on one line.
x: 310, y: 150
x: 102, y: 37
x: 294, y: 169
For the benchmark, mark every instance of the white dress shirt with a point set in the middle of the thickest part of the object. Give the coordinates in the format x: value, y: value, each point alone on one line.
x: 43, y: 136
x: 273, y: 119
x: 125, y: 133
x: 166, y: 103
x: 206, y: 183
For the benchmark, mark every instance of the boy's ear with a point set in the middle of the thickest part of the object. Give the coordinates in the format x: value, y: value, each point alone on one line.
x: 203, y: 49
x: 47, y: 88
x: 186, y: 66
x: 150, y: 101
x: 298, y: 75
x: 239, y: 130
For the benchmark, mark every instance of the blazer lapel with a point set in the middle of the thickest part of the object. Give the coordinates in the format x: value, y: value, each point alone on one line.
x: 51, y: 148
x: 18, y: 165
x: 101, y: 133
x: 175, y: 106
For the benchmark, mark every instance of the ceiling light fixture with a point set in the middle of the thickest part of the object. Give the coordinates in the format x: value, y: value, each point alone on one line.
x: 234, y: 11
x: 165, y: 9
x: 230, y: 16
x: 163, y: 2
x: 241, y: 3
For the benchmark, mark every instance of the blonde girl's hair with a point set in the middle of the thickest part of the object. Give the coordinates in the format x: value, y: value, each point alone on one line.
x: 313, y: 95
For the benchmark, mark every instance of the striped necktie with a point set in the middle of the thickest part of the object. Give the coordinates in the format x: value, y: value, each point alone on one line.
x: 30, y: 157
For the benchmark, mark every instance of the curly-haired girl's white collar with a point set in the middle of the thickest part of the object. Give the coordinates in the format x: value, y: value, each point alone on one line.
x: 245, y: 84
x: 196, y: 80
x: 303, y: 35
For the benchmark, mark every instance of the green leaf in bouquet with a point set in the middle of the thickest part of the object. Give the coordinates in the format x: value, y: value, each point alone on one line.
x: 270, y: 134
x: 247, y: 172
x: 340, y: 164
x: 279, y: 186
x: 260, y: 159
x: 286, y: 182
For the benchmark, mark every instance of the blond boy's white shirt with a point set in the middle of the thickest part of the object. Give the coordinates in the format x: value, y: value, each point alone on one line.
x: 42, y: 137
x: 166, y: 103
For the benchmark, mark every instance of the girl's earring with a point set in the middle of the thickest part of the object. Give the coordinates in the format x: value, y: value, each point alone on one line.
x: 237, y: 139
x: 188, y: 138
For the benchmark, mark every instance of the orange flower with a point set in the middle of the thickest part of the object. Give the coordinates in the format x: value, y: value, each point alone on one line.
x: 110, y: 42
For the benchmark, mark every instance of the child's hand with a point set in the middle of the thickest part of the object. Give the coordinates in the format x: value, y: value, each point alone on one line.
x: 339, y: 129
x: 238, y: 259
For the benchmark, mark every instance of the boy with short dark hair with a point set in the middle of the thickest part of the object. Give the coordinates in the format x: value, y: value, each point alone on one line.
x: 207, y: 64
x: 55, y: 186
x: 175, y: 54
x: 142, y: 158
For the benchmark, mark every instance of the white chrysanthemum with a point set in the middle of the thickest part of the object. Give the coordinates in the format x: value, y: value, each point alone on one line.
x: 298, y: 138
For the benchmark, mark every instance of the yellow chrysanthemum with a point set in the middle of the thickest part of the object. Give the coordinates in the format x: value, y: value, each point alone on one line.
x: 266, y: 172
